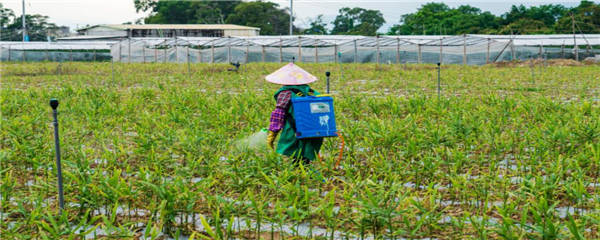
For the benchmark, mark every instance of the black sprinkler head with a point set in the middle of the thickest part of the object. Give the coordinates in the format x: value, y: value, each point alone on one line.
x: 438, y: 64
x: 54, y: 103
x: 327, y: 74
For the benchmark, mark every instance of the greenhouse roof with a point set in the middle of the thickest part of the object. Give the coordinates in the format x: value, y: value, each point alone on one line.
x: 324, y: 41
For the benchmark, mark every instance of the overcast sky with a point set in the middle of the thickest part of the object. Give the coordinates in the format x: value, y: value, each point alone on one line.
x: 78, y: 13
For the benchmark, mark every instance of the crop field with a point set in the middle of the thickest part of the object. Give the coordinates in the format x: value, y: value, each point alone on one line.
x: 159, y: 151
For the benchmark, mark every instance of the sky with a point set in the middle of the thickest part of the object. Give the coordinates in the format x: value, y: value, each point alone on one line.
x: 78, y: 13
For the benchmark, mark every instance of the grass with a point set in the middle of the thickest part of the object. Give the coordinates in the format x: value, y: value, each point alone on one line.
x: 500, y: 154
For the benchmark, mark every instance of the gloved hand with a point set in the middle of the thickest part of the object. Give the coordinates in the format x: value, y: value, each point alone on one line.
x: 271, y: 139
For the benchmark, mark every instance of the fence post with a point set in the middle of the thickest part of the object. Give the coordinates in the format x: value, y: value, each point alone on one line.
x: 46, y: 51
x: 441, y: 51
x: 299, y: 49
x: 188, y: 61
x: 70, y: 54
x: 397, y: 50
x: 155, y: 54
x: 94, y: 54
x: 144, y: 52
x: 512, y: 50
x: 263, y: 53
x: 212, y: 52
x: 200, y: 55
x: 377, y: 57
x: 280, y: 50
x: 316, y: 52
x: 355, y: 52
x: 228, y: 49
x: 335, y: 50
x: 247, y: 53
x: 419, y: 56
x: 464, y: 49
x: 487, y: 56
x: 176, y: 52
x: 120, y: 44
x: 9, y: 53
x: 128, y: 50
x: 562, y: 50
x: 165, y: 55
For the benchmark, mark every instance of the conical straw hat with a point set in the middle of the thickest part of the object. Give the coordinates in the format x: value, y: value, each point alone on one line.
x: 291, y: 74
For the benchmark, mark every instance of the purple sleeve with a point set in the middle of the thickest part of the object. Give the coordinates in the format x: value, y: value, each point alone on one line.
x: 278, y: 115
x: 277, y: 120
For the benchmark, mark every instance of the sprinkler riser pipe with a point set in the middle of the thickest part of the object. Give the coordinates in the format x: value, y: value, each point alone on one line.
x: 61, y: 202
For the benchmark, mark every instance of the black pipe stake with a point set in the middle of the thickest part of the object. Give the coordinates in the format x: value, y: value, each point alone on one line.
x: 61, y: 202
x: 439, y: 87
x: 327, y: 74
x: 293, y: 59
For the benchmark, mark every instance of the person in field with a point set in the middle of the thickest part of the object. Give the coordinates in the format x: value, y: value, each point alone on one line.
x: 294, y: 81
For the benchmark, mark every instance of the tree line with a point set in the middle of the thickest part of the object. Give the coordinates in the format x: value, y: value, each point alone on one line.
x: 430, y: 19
x: 38, y: 27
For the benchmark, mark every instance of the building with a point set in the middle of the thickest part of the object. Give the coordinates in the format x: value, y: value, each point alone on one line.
x: 168, y: 30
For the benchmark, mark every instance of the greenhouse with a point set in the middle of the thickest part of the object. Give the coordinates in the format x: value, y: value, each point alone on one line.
x: 462, y: 49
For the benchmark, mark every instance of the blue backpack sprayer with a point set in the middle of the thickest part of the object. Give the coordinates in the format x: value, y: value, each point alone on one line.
x: 315, y: 118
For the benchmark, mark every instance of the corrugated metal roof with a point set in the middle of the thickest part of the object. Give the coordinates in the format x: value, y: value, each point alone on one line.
x: 177, y: 26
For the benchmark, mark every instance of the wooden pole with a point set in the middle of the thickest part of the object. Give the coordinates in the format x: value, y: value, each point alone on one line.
x: 280, y: 50
x: 512, y: 51
x: 199, y: 55
x: 355, y: 52
x: 247, y: 52
x: 263, y: 53
x: 419, y: 55
x: 316, y: 52
x: 299, y: 49
x: 487, y: 55
x: 397, y: 50
x: 144, y: 53
x: 500, y: 54
x: 562, y: 50
x: 335, y: 51
x: 464, y: 49
x: 155, y: 54
x: 120, y: 44
x: 176, y: 52
x: 212, y: 52
x: 377, y: 57
x: 9, y: 53
x: 46, y: 51
x: 228, y: 51
x: 441, y: 52
x: 574, y: 38
x: 70, y: 54
x: 128, y: 49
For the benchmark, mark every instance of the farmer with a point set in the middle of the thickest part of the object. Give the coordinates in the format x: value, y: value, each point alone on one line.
x: 294, y: 80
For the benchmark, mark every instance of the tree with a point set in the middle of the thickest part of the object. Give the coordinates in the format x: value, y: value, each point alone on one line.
x: 6, y: 17
x: 265, y: 15
x: 438, y: 18
x: 186, y: 12
x: 11, y: 27
x: 357, y: 21
x: 586, y: 16
x: 38, y: 28
x: 317, y: 26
